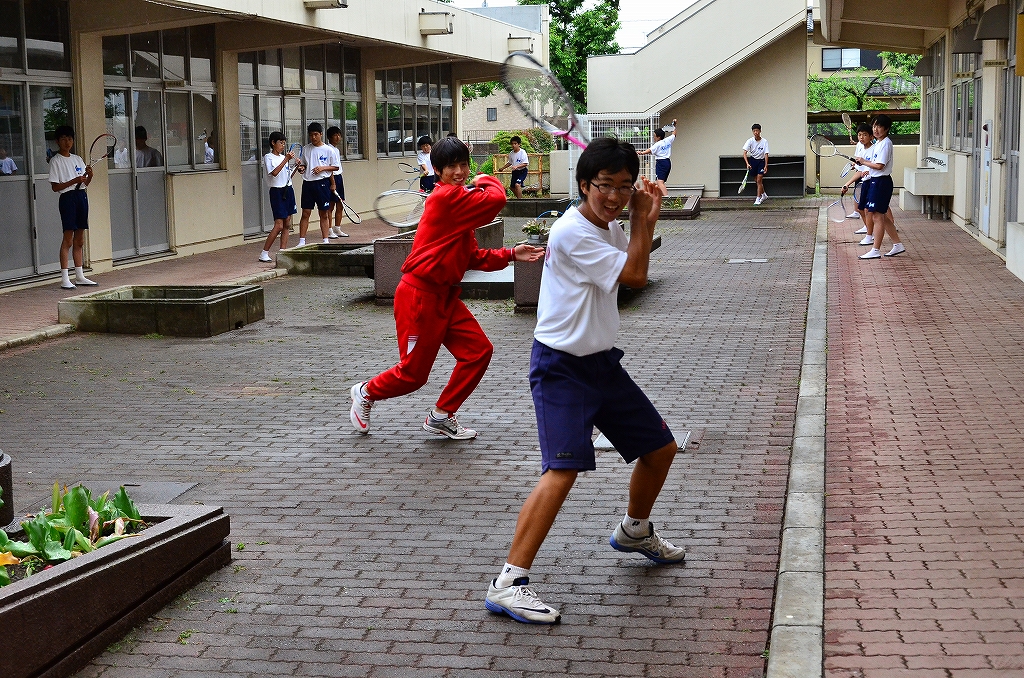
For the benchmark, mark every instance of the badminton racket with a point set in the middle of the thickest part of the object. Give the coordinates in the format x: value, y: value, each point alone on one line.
x: 541, y: 97
x: 400, y: 208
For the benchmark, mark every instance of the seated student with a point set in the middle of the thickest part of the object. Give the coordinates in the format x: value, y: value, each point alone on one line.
x: 337, y: 184
x: 519, y: 161
x: 282, y: 195
x: 879, y: 159
x: 427, y: 178
x: 661, y: 150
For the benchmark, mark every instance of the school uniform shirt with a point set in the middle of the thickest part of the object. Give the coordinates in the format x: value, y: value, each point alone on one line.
x: 445, y: 246
x: 881, y: 152
x: 756, y: 149
x: 662, y: 149
x: 207, y: 153
x: 577, y: 310
x: 65, y: 169
x: 424, y: 160
x: 316, y: 156
x: 7, y: 166
x: 283, y: 178
x: 336, y: 159
x: 519, y: 158
x: 861, y: 152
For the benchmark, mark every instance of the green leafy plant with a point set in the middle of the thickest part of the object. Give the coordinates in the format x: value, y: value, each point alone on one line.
x: 537, y: 227
x: 75, y: 524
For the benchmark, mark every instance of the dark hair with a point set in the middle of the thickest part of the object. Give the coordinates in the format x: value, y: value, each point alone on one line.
x: 608, y: 154
x: 516, y: 140
x: 63, y: 131
x: 140, y: 133
x: 755, y: 126
x: 314, y: 127
x: 660, y: 133
x: 275, y: 137
x: 448, y: 151
x: 863, y: 127
x: 883, y: 121
x: 424, y: 140
x: 452, y: 134
x: 331, y: 131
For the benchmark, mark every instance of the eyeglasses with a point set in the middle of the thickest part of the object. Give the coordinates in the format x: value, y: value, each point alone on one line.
x: 608, y: 189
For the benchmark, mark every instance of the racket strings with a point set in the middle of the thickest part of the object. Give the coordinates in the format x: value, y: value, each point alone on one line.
x: 822, y: 146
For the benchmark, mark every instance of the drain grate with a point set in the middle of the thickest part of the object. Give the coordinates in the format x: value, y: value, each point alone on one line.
x: 747, y: 261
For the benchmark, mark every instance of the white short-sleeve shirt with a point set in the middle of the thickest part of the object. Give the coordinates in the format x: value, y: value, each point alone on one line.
x: 65, y: 169
x: 518, y: 157
x: 283, y: 178
x: 662, y: 149
x: 424, y: 160
x: 881, y: 152
x: 756, y: 149
x: 861, y: 152
x: 7, y: 166
x: 337, y: 159
x: 317, y: 156
x: 577, y: 310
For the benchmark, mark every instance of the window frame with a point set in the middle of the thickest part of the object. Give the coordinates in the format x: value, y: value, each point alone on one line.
x: 426, y: 102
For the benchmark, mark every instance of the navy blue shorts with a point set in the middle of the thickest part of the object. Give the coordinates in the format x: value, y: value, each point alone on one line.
x: 282, y: 202
x: 756, y: 165
x: 519, y: 176
x: 662, y: 168
x: 74, y: 210
x: 317, y: 195
x: 427, y: 183
x: 879, y: 193
x: 862, y: 203
x: 573, y: 394
x: 339, y: 188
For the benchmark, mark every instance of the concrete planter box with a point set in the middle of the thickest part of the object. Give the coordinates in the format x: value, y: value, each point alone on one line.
x: 332, y: 259
x: 390, y: 253
x: 533, y: 207
x: 7, y: 484
x: 55, y: 621
x: 172, y: 310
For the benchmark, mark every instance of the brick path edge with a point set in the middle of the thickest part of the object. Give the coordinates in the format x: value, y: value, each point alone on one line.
x: 797, y: 635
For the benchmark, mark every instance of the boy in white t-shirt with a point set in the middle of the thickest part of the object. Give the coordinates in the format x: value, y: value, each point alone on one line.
x: 661, y: 150
x: 427, y: 178
x: 879, y: 160
x: 575, y: 375
x: 282, y: 195
x: 755, y: 154
x: 337, y: 184
x: 317, y: 167
x: 860, y: 173
x: 519, y: 161
x: 7, y: 164
x: 69, y: 175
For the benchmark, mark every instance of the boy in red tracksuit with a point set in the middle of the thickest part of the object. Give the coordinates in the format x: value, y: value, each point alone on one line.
x: 428, y: 311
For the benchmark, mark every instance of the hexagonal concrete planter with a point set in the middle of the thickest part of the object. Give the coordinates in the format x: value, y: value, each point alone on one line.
x: 172, y: 310
x: 55, y: 621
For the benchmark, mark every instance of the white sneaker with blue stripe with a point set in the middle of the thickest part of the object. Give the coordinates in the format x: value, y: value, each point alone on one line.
x: 652, y: 546
x: 521, y: 603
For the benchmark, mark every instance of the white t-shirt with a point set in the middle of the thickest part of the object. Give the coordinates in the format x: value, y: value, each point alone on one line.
x: 577, y: 310
x: 337, y: 159
x: 7, y: 166
x: 662, y: 150
x: 283, y: 178
x: 756, y: 149
x: 519, y: 158
x: 424, y: 160
x: 861, y: 152
x: 65, y: 169
x: 317, y: 156
x: 881, y: 152
x: 207, y: 153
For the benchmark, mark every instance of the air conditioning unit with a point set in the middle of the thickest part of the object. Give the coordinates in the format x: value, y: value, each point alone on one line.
x: 437, y: 23
x: 520, y: 44
x: 325, y: 4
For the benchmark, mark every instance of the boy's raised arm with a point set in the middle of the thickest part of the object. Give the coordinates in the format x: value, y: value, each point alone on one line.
x: 644, y: 209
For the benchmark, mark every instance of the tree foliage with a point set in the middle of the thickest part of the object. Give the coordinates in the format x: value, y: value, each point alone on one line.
x: 863, y: 90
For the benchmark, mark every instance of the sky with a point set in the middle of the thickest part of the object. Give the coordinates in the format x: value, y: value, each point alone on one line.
x: 638, y: 17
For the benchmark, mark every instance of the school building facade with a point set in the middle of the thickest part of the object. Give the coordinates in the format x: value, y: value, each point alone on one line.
x: 192, y: 90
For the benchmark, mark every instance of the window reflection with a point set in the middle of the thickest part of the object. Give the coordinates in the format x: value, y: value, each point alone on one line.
x: 55, y: 105
x: 12, y: 132
x: 10, y: 35
x: 47, y: 37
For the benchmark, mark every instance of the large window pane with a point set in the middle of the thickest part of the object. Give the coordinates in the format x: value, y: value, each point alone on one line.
x: 271, y: 121
x: 47, y: 37
x: 246, y: 69
x: 55, y: 105
x: 831, y: 59
x: 115, y: 55
x: 407, y: 82
x: 145, y: 54
x: 435, y: 123
x: 394, y: 86
x: 446, y: 82
x: 422, y: 122
x: 421, y: 82
x: 435, y: 81
x: 10, y: 35
x: 334, y: 68
x: 149, y: 130
x: 178, y: 148
x: 175, y: 54
x: 291, y: 59
x: 353, y: 70
x: 247, y: 128
x: 408, y: 127
x: 293, y: 128
x: 382, y: 128
x: 394, y: 128
x: 270, y: 69
x: 202, y: 50
x: 314, y: 110
x: 336, y: 118
x: 446, y: 121
x: 204, y: 114
x: 313, y: 66
x: 115, y: 104
x: 353, y: 122
x: 12, y: 131
x: 378, y: 83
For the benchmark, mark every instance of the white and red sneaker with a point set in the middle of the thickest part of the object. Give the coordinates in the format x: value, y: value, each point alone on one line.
x: 360, y: 412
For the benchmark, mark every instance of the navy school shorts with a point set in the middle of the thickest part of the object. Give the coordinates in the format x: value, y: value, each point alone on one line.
x: 573, y: 394
x: 865, y: 184
x: 879, y: 193
x: 317, y: 195
x: 282, y: 202
x: 74, y: 210
x: 756, y: 166
x: 339, y: 188
x: 662, y: 168
x: 427, y: 183
x: 519, y: 176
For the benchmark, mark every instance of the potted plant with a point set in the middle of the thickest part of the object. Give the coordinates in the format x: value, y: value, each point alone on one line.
x: 536, y: 231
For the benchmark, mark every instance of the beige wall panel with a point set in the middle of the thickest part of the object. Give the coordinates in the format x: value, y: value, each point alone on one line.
x: 202, y: 213
x: 960, y: 167
x: 904, y: 156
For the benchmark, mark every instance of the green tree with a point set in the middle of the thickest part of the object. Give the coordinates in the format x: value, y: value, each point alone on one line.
x: 863, y: 90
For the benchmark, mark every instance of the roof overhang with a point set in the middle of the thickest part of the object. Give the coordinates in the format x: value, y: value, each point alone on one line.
x: 905, y: 26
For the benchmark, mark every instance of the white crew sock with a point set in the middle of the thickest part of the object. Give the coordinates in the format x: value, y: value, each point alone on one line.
x: 302, y: 241
x: 64, y: 276
x: 509, y: 573
x: 80, y: 277
x: 636, y: 527
x: 266, y: 253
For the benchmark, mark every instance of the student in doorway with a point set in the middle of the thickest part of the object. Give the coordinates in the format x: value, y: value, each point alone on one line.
x: 282, y: 195
x: 337, y: 184
x: 755, y: 154
x: 575, y: 375
x: 661, y: 150
x: 427, y: 178
x: 428, y: 311
x: 519, y: 161
x: 69, y: 176
x: 317, y: 168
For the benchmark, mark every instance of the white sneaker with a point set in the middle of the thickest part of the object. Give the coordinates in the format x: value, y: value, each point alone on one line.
x: 327, y: 241
x: 652, y: 546
x: 521, y: 603
x: 861, y: 231
x: 360, y: 412
x: 82, y: 280
x: 757, y: 200
x: 871, y: 254
x: 341, y: 234
x: 764, y: 196
x: 265, y: 257
x: 868, y: 240
x: 448, y: 426
x: 67, y: 285
x: 897, y: 248
x: 853, y: 215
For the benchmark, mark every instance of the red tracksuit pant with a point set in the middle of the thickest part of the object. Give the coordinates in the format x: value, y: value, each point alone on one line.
x: 426, y: 320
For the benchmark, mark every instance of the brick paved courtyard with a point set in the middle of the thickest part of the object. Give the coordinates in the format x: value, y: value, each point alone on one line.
x: 370, y: 556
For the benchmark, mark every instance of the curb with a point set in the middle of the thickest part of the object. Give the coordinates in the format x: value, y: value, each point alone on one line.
x: 796, y: 648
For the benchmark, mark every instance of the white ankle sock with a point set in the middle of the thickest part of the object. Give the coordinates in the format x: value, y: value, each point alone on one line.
x: 438, y: 416
x: 636, y: 527
x: 509, y: 573
x: 64, y: 276
x: 302, y: 241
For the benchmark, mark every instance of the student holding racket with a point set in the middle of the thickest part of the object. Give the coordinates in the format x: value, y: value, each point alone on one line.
x: 661, y: 150
x: 69, y: 175
x: 878, y: 192
x: 282, y: 195
x: 755, y: 154
x: 428, y: 311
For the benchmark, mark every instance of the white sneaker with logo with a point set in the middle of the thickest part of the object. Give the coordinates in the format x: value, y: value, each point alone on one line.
x: 897, y: 248
x: 521, y: 603
x: 861, y: 231
x: 868, y: 240
x: 447, y: 426
x: 360, y: 412
x: 652, y: 546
